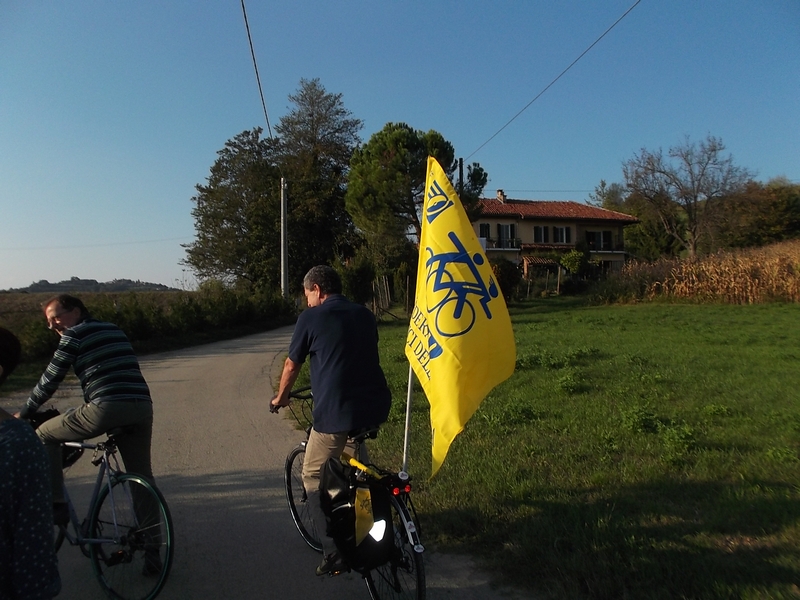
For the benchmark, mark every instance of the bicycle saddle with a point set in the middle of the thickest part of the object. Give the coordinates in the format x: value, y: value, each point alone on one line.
x: 359, y: 435
x: 115, y: 431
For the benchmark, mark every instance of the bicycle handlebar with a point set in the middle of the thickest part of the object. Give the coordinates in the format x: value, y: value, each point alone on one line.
x: 303, y: 393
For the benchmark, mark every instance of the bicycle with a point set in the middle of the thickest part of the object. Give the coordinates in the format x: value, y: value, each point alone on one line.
x: 403, y: 576
x: 127, y: 532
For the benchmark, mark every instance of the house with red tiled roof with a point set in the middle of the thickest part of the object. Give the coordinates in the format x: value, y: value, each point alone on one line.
x: 524, y: 230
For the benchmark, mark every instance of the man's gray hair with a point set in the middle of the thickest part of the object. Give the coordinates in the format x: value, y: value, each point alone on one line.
x: 325, y: 277
x: 69, y: 303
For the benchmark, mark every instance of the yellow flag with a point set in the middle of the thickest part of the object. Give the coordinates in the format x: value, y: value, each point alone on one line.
x: 364, y: 518
x: 460, y: 342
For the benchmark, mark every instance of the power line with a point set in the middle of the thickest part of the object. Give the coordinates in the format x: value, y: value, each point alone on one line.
x: 549, y: 85
x: 284, y: 234
x: 255, y: 66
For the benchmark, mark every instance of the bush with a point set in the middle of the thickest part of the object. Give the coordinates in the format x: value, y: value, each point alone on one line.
x: 508, y: 276
x: 357, y: 278
x: 37, y: 340
x: 154, y: 320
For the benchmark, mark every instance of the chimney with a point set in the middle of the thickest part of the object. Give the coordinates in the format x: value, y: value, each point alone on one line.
x: 501, y: 195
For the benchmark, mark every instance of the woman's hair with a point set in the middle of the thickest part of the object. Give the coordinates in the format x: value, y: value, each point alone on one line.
x: 68, y: 302
x: 10, y: 352
x: 325, y: 277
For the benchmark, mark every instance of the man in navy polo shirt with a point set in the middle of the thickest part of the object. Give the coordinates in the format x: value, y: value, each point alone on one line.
x: 350, y: 391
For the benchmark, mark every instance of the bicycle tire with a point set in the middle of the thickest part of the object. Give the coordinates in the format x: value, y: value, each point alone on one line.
x: 128, y: 567
x: 297, y: 498
x: 403, y: 577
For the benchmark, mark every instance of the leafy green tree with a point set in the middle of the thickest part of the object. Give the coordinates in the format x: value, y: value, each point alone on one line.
x: 386, y: 188
x: 471, y: 189
x: 787, y: 197
x: 317, y: 139
x: 357, y: 277
x: 610, y: 197
x: 759, y: 215
x: 237, y: 214
x: 387, y: 179
x: 648, y: 239
x: 688, y: 188
x: 575, y: 261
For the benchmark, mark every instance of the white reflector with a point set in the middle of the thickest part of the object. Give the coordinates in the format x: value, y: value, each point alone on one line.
x: 377, y: 531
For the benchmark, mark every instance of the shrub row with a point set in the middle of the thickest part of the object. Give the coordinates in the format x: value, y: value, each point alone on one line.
x: 153, y: 320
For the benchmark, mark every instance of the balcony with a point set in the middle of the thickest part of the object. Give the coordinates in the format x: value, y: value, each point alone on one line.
x: 503, y: 243
x: 606, y: 247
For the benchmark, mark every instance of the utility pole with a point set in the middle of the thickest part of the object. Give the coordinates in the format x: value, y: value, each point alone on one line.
x: 284, y: 244
x: 460, y: 177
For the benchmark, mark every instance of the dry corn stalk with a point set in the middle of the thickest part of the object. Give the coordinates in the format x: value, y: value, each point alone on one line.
x: 739, y: 277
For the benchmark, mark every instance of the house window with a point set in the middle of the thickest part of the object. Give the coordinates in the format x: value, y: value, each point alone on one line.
x: 561, y: 235
x: 540, y: 235
x: 599, y: 240
x: 506, y: 234
x: 484, y: 230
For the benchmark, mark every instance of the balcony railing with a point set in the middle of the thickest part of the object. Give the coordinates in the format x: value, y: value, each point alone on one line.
x: 606, y: 247
x: 503, y: 243
x: 516, y: 244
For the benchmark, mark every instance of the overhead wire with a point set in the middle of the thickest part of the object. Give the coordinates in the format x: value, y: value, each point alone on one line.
x: 549, y: 85
x: 255, y: 66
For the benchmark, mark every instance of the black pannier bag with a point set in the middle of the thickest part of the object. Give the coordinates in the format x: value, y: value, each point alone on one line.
x: 342, y: 496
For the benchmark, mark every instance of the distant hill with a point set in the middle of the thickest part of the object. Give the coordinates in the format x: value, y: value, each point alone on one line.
x: 75, y: 284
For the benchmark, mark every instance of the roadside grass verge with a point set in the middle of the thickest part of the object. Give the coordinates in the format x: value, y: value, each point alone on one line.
x: 639, y: 451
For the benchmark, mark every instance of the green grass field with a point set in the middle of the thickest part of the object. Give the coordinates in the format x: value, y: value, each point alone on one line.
x: 640, y: 451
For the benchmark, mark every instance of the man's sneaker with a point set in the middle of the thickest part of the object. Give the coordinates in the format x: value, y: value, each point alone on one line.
x: 331, y: 565
x: 152, y: 563
x: 60, y: 513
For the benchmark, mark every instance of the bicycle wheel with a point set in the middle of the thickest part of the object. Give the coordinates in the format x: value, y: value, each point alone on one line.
x: 403, y: 577
x: 297, y: 498
x: 133, y: 556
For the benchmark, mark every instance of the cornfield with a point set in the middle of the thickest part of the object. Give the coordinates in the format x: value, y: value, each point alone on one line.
x: 750, y: 276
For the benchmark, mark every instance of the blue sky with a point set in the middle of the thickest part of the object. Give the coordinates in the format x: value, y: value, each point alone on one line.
x: 111, y: 112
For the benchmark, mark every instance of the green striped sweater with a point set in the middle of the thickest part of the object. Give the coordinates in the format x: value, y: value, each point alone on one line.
x: 103, y: 360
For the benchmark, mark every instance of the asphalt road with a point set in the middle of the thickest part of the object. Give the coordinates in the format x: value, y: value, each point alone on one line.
x: 218, y: 457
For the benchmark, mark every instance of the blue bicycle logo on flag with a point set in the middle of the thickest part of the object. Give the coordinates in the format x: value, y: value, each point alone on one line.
x: 452, y: 278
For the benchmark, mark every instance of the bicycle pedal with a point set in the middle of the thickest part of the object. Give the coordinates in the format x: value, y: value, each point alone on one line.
x: 332, y: 566
x: 336, y: 572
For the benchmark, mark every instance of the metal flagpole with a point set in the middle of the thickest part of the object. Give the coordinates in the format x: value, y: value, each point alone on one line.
x: 284, y: 243
x: 404, y: 470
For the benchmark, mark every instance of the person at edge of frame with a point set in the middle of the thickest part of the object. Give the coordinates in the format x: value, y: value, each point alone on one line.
x: 349, y: 386
x: 116, y: 395
x: 28, y: 563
